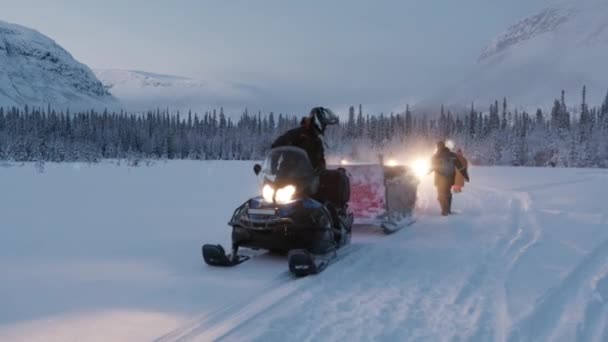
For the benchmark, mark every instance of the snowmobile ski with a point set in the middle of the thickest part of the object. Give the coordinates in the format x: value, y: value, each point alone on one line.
x: 303, y: 263
x: 215, y: 255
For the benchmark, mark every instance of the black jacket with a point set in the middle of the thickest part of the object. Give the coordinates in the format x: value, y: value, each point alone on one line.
x: 447, y: 181
x: 307, y: 140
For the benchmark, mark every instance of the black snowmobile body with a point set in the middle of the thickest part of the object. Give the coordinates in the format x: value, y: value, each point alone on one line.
x: 302, y: 224
x: 309, y: 230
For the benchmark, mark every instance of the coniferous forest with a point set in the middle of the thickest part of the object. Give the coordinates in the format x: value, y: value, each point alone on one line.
x: 497, y: 135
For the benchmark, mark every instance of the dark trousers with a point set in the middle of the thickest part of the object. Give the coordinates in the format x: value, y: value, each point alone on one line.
x: 444, y: 194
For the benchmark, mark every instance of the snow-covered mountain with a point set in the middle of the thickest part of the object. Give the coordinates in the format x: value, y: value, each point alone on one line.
x: 139, y: 90
x: 563, y: 46
x: 36, y: 71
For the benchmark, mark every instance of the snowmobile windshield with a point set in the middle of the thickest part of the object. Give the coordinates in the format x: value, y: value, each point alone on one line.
x: 284, y: 164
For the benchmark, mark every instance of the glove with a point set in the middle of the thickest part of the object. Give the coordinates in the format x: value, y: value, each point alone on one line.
x: 465, y: 175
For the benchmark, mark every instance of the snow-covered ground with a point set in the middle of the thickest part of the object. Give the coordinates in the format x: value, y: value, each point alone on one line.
x: 108, y: 253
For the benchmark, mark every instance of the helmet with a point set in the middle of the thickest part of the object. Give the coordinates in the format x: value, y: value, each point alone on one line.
x: 323, y: 117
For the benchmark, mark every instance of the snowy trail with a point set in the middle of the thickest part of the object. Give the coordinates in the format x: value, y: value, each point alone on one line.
x: 464, y: 296
x: 553, y: 312
x: 463, y: 292
x: 218, y: 324
x: 524, y: 259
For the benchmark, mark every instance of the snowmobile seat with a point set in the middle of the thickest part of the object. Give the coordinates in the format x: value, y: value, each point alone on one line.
x: 334, y: 187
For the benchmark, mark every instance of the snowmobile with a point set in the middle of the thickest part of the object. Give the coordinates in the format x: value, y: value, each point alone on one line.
x: 301, y: 212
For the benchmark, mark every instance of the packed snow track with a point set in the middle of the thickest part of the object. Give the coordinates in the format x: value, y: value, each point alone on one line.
x: 108, y: 252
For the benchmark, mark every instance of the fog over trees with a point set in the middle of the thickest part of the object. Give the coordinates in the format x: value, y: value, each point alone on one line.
x: 495, y: 135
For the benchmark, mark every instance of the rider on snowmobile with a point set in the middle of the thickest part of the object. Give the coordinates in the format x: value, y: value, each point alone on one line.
x: 334, y: 187
x: 308, y: 135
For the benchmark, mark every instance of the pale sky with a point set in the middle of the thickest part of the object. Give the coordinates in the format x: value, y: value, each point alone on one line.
x: 381, y: 53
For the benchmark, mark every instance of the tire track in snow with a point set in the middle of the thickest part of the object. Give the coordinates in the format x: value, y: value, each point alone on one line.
x: 207, y: 318
x: 525, y: 231
x: 423, y: 305
x: 581, y: 298
x: 387, y: 298
x: 553, y: 310
x: 317, y: 309
x: 485, y: 290
x: 594, y: 326
x: 213, y: 327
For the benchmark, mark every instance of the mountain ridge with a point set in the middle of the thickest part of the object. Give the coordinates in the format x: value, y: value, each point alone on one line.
x: 36, y: 71
x: 560, y: 47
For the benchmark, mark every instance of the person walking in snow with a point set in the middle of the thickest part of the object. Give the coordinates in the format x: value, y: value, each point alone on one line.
x: 444, y: 164
x: 459, y: 180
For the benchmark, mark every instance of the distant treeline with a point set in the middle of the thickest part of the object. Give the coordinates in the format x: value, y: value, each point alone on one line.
x: 497, y: 136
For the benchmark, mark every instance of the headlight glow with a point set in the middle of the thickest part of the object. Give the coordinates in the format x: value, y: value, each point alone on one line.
x: 267, y: 193
x: 392, y: 163
x: 421, y: 167
x: 285, y: 195
x: 344, y: 162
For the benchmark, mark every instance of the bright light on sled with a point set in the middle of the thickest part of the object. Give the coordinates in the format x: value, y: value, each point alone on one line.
x: 421, y: 167
x: 285, y: 195
x: 392, y: 163
x: 267, y: 193
x: 344, y: 162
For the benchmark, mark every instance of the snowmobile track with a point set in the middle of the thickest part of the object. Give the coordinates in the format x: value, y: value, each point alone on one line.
x: 217, y: 325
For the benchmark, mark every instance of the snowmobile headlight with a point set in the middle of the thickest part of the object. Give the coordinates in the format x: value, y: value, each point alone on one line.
x: 268, y: 193
x: 285, y: 195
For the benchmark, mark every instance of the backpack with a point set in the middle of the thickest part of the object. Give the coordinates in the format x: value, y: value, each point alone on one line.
x: 446, y: 165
